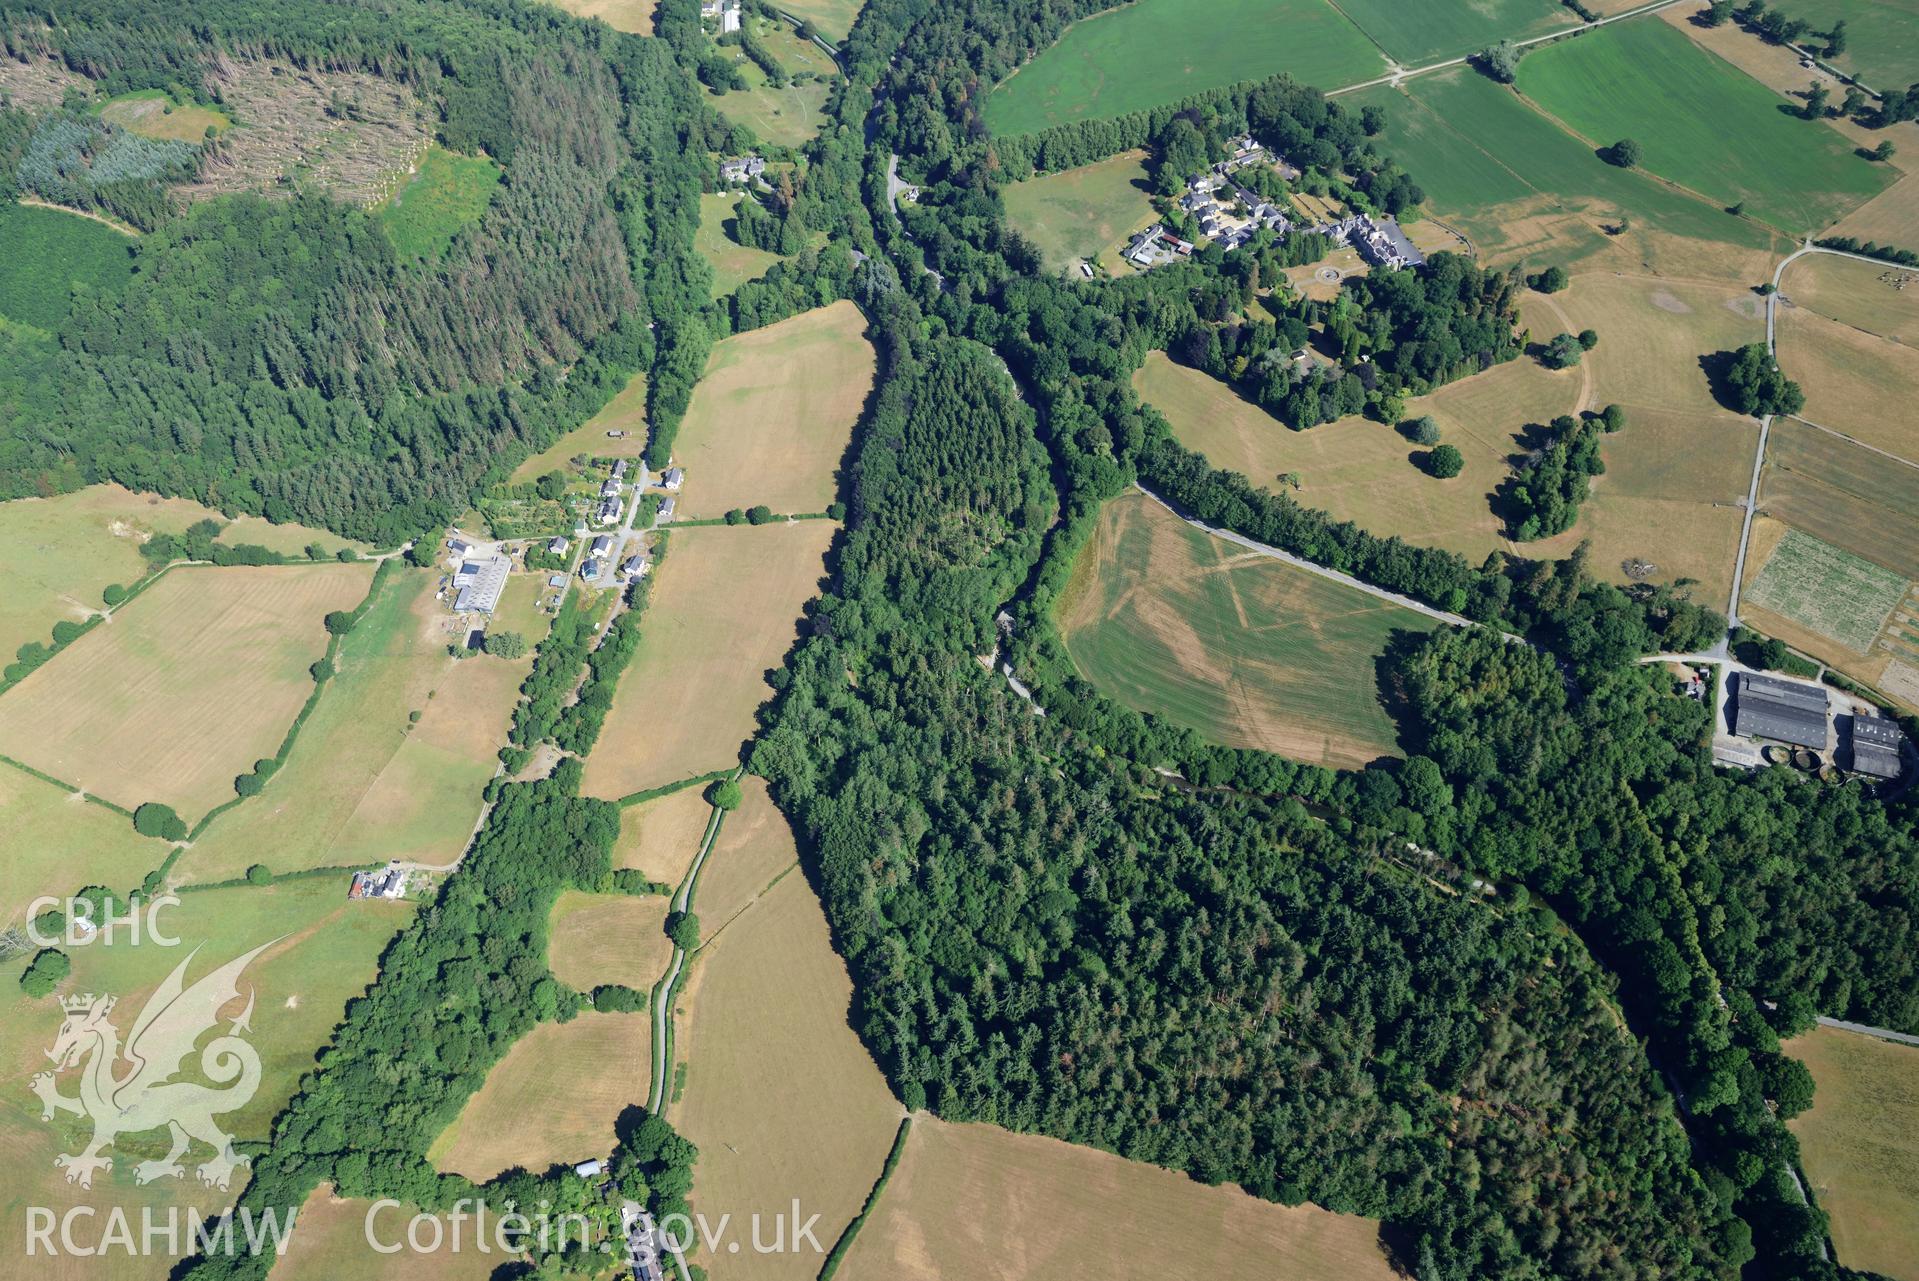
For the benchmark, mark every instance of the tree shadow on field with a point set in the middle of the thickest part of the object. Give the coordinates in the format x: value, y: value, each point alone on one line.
x: 1715, y: 365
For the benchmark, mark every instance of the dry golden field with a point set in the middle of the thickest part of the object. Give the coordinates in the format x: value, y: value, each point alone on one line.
x: 724, y: 611
x: 979, y: 1201
x: 63, y: 551
x: 781, y: 1097
x: 1672, y: 476
x: 771, y: 418
x: 553, y: 1098
x: 1889, y: 217
x: 1675, y: 474
x: 755, y: 845
x: 1860, y: 1146
x: 187, y: 686
x: 1360, y: 470
x: 364, y: 782
x: 1244, y: 649
x: 1880, y: 300
x: 635, y: 16
x: 661, y: 837
x: 1855, y: 382
x: 608, y: 938
x: 330, y: 1242
x: 1845, y: 494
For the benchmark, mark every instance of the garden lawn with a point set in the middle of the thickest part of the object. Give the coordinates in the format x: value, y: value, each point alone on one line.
x: 1081, y: 213
x: 733, y: 263
x: 1702, y: 122
x: 1154, y: 52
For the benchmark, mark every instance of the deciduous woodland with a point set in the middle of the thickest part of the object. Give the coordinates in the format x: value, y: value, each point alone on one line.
x: 1518, y: 993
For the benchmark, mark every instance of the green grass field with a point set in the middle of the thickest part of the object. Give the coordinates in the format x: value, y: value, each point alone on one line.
x: 834, y: 18
x: 1702, y: 122
x: 1158, y: 51
x: 1083, y: 212
x: 1835, y: 593
x: 733, y: 263
x: 1882, y: 37
x: 364, y: 783
x: 449, y: 192
x: 151, y: 113
x: 1518, y: 184
x: 787, y: 117
x: 58, y: 843
x: 1427, y: 31
x: 1246, y: 650
x: 48, y: 255
x: 327, y: 953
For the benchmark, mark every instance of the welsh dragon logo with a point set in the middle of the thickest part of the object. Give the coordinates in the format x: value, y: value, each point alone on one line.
x: 129, y: 1089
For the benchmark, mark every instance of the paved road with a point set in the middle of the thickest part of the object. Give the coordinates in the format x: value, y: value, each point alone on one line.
x: 612, y: 563
x: 1300, y: 562
x: 1884, y: 1034
x: 1407, y: 73
x: 663, y: 1007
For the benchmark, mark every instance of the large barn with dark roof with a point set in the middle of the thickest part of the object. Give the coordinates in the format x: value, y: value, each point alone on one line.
x: 1784, y: 711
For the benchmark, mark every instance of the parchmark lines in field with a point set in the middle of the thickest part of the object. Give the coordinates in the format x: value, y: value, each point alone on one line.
x: 1311, y: 567
x: 1399, y: 74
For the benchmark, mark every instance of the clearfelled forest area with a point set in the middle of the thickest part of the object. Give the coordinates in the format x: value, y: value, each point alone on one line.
x: 274, y: 355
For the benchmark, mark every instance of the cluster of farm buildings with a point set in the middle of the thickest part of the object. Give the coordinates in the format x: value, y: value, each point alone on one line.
x: 1229, y: 214
x: 1813, y: 731
x: 390, y: 884
x: 725, y: 12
